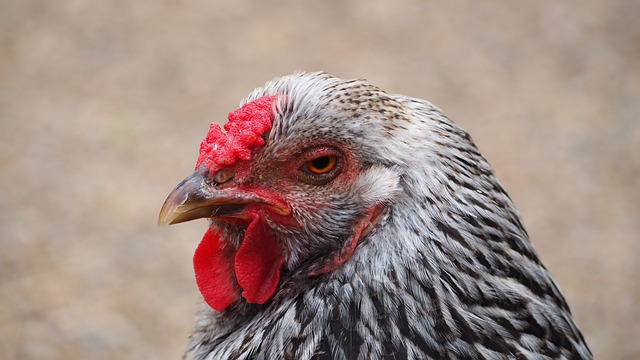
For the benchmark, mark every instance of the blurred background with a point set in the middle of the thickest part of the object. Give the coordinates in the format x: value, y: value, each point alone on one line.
x: 103, y: 106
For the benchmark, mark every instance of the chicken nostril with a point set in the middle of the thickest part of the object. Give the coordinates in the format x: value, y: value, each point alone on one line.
x: 223, y: 176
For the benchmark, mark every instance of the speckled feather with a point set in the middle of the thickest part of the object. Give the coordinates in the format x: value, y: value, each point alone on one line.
x: 447, y: 273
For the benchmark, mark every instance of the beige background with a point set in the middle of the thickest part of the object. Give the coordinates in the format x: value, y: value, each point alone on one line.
x: 103, y: 105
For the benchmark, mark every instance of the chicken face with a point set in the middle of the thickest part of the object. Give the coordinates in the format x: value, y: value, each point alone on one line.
x: 287, y: 189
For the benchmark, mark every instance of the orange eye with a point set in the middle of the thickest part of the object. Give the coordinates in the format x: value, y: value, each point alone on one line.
x: 322, y: 164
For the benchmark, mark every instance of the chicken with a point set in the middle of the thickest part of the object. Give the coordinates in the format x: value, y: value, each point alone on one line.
x: 348, y: 223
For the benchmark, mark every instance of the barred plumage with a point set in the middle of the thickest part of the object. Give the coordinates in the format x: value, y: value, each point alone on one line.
x: 444, y: 268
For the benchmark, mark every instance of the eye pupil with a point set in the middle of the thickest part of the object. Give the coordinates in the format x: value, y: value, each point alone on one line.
x: 322, y: 164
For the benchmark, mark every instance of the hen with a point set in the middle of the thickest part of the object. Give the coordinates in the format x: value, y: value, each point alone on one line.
x: 348, y: 223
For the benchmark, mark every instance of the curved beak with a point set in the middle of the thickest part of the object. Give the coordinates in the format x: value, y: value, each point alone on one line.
x: 195, y: 198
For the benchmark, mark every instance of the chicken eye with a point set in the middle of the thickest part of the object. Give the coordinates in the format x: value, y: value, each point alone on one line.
x: 322, y: 164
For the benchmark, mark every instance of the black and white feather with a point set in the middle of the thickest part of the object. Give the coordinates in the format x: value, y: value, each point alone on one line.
x: 447, y: 273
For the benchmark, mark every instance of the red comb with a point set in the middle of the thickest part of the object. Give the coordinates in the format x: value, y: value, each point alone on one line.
x: 245, y: 128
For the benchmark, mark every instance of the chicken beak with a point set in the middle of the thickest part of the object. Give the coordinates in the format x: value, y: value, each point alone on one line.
x: 195, y: 198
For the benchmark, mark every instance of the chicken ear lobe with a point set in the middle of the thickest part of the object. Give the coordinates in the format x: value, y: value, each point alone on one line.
x: 362, y: 228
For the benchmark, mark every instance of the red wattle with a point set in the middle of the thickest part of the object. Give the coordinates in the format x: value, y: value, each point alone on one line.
x: 258, y: 262
x: 213, y: 265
